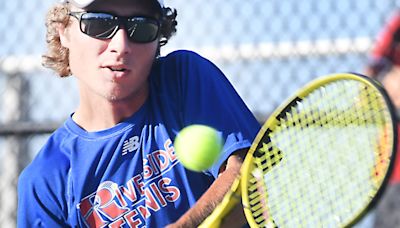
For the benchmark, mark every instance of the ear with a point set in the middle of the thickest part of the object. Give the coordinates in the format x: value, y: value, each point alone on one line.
x: 64, y: 35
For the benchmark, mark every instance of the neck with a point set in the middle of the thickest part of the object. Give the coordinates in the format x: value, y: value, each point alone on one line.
x: 100, y: 114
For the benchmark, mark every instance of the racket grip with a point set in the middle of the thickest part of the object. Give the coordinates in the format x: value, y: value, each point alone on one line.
x: 230, y: 200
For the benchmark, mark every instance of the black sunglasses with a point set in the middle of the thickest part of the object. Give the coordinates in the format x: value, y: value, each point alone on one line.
x: 104, y: 26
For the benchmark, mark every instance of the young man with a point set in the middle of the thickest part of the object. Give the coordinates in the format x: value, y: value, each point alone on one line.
x: 384, y: 64
x: 384, y: 59
x: 112, y: 163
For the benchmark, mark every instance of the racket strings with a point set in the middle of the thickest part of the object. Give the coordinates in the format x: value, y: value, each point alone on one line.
x: 311, y: 188
x: 257, y: 191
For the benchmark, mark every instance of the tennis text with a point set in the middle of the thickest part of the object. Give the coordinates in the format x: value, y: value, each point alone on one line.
x: 112, y: 205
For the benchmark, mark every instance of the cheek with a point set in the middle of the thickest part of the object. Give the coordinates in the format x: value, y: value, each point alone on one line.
x: 147, y: 52
x: 144, y: 61
x: 83, y: 59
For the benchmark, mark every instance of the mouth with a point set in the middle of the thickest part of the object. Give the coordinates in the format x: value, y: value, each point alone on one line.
x: 116, y: 72
x: 117, y: 69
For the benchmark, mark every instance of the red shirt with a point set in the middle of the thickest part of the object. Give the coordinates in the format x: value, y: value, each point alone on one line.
x: 386, y: 51
x: 395, y: 178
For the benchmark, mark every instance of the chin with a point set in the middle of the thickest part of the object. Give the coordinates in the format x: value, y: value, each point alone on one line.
x: 116, y: 97
x: 113, y: 98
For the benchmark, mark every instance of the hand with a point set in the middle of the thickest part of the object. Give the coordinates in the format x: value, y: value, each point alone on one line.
x: 235, y: 218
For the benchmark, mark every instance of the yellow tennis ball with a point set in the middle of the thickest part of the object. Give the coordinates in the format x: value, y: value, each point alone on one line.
x: 198, y: 147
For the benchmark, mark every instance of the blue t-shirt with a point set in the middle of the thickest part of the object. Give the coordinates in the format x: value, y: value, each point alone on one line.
x: 128, y: 175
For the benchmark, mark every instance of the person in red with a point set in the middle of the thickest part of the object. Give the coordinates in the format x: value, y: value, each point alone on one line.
x: 384, y: 65
x: 384, y: 60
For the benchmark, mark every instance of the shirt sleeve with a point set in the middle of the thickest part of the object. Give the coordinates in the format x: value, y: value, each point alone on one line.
x: 207, y: 97
x: 40, y: 194
x: 386, y: 50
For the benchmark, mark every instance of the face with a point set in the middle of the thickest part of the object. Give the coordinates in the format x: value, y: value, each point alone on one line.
x: 114, y: 69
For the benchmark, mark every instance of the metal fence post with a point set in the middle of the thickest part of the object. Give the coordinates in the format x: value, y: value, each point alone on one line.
x: 15, y: 147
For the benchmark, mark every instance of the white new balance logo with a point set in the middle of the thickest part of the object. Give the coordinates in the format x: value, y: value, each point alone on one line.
x: 130, y: 145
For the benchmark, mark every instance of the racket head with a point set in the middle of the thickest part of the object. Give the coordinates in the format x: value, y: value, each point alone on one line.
x: 323, y: 158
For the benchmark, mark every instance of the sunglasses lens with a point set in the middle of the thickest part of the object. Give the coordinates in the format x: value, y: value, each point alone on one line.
x: 99, y: 25
x: 104, y: 26
x: 142, y: 30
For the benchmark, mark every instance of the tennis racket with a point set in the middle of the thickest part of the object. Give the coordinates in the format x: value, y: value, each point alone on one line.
x: 321, y: 160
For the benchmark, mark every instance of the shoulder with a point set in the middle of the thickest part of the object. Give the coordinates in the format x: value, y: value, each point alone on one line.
x: 51, y: 162
x: 185, y: 59
x: 183, y: 55
x: 182, y: 69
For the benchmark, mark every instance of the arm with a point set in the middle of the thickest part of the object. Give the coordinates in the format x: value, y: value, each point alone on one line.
x: 38, y: 205
x: 202, y: 92
x: 214, y: 195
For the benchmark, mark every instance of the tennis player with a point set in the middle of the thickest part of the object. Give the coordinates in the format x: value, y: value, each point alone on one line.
x: 384, y: 59
x: 112, y: 162
x: 384, y: 64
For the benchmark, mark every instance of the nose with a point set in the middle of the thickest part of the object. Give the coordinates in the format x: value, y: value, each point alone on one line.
x: 120, y: 43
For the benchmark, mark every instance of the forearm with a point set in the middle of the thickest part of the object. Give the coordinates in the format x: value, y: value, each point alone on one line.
x: 214, y: 195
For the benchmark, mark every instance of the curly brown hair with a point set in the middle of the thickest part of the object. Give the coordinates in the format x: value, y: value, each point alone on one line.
x: 57, y: 56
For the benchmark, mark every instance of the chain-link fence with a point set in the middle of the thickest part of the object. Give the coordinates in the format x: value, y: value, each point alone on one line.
x: 267, y: 48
